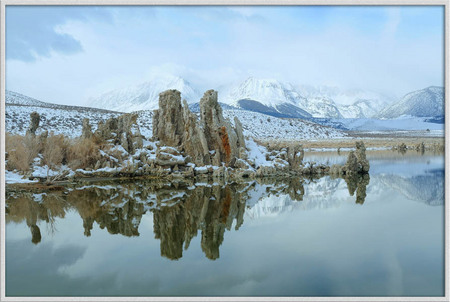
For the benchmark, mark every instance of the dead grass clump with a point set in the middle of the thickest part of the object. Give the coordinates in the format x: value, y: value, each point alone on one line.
x: 21, y: 150
x: 83, y: 153
x: 53, y: 152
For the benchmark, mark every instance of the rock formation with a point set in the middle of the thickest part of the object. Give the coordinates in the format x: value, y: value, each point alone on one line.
x: 35, y: 118
x: 122, y: 130
x: 86, y: 131
x: 213, y: 140
x: 220, y: 135
x: 168, y: 123
x: 363, y: 163
x: 194, y: 140
x: 295, y: 157
x: 357, y: 163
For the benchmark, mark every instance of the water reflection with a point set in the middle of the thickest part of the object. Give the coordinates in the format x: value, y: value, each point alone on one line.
x: 182, y: 210
x: 359, y: 184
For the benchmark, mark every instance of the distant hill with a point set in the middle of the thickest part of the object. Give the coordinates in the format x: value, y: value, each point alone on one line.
x: 16, y: 99
x: 428, y: 102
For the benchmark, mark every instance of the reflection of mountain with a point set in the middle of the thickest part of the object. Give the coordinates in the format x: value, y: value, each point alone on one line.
x: 427, y: 188
x: 321, y: 193
x: 179, y: 211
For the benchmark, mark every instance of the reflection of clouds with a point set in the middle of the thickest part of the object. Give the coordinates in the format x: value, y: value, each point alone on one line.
x: 35, y: 270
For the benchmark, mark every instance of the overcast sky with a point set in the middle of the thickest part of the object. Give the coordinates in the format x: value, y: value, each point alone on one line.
x: 66, y: 54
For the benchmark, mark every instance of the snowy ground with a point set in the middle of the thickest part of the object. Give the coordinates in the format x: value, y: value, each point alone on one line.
x: 261, y: 126
x: 60, y: 121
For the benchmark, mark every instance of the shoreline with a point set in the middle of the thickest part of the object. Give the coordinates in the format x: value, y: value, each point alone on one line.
x: 384, y: 142
x: 41, y: 185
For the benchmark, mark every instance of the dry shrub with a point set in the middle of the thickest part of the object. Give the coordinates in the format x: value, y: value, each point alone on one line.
x: 54, y: 147
x: 83, y: 153
x: 22, y: 150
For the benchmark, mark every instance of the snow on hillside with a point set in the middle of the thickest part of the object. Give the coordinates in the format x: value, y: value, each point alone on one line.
x: 15, y: 98
x: 144, y: 96
x: 69, y: 122
x: 60, y: 121
x: 428, y: 102
x: 262, y: 126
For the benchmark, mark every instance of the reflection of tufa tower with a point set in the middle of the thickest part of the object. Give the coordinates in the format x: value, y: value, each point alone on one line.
x: 211, y: 210
x: 120, y: 215
x: 359, y: 184
x: 35, y: 234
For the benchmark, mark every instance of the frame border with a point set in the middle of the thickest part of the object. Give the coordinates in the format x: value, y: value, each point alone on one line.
x: 4, y: 3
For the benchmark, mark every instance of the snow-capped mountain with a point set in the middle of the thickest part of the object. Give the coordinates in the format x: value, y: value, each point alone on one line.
x: 266, y: 96
x: 322, y: 107
x: 145, y: 95
x: 428, y: 102
x: 354, y: 103
x: 283, y: 99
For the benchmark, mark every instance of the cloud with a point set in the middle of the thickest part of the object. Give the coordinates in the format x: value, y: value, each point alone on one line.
x: 32, y: 31
x: 394, y: 50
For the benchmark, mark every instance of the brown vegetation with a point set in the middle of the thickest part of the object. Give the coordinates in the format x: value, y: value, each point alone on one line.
x: 83, y: 153
x: 52, y: 150
x: 21, y: 151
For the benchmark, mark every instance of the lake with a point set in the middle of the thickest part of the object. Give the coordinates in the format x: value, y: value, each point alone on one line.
x: 379, y: 235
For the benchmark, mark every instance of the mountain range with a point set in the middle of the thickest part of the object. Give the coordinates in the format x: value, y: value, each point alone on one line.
x: 428, y: 102
x: 144, y: 96
x: 281, y: 99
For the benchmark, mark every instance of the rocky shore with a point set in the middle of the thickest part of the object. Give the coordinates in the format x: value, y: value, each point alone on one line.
x: 184, y: 145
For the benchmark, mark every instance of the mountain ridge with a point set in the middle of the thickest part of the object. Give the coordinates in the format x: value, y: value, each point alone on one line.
x: 144, y: 96
x: 427, y: 102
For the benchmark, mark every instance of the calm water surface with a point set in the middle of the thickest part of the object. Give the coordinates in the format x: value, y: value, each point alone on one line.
x: 381, y: 235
